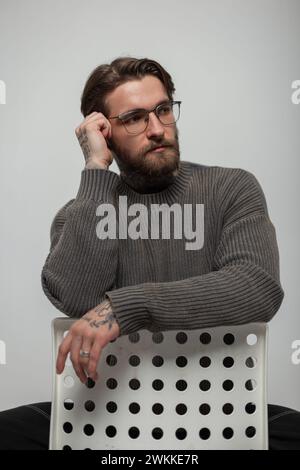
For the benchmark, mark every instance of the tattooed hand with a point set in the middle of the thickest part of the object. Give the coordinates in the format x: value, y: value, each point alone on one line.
x: 91, y: 333
x: 93, y: 134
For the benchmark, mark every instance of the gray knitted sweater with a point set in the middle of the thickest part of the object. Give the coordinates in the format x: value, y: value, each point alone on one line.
x: 158, y: 284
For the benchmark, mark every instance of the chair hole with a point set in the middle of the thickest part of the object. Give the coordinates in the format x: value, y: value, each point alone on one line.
x: 228, y: 385
x: 181, y: 385
x: 134, y: 337
x: 157, y: 338
x: 67, y: 427
x: 68, y: 404
x: 157, y: 384
x: 181, y: 409
x: 111, y: 360
x: 111, y: 383
x: 228, y: 362
x: 205, y: 361
x: 227, y: 408
x: 204, y: 409
x: 181, y: 337
x: 204, y: 433
x: 157, y: 408
x: 250, y: 384
x: 88, y: 429
x: 180, y: 434
x: 134, y: 408
x: 134, y: 361
x: 68, y: 381
x: 251, y: 339
x: 204, y: 385
x: 134, y: 384
x: 89, y: 405
x: 251, y: 362
x: 134, y: 432
x: 250, y: 408
x: 157, y: 361
x: 157, y: 433
x: 250, y: 431
x: 181, y: 361
x: 111, y: 407
x: 228, y: 339
x: 67, y: 448
x: 205, y: 338
x: 65, y: 333
x: 111, y: 431
x: 227, y: 433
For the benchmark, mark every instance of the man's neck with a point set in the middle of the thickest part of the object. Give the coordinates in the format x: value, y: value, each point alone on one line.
x: 144, y: 184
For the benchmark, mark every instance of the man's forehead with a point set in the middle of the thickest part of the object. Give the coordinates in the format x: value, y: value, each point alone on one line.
x: 144, y: 93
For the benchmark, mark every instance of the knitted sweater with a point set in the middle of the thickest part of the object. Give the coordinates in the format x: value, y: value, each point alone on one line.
x: 158, y: 284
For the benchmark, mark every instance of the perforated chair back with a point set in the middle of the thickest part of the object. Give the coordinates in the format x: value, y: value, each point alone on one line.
x: 192, y: 389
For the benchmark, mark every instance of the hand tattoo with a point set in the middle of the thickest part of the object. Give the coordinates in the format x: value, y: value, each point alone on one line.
x: 104, y: 312
x: 83, y: 140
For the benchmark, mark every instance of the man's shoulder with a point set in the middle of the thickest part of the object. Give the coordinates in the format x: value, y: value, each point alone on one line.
x: 219, y: 172
x: 229, y: 183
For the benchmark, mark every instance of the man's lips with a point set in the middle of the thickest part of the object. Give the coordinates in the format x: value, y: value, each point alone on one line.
x: 159, y: 149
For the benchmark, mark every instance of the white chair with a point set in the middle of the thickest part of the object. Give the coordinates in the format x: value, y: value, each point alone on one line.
x: 192, y: 389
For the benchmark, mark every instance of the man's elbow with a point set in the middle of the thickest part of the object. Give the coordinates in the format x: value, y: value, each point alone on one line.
x: 58, y: 300
x: 272, y: 301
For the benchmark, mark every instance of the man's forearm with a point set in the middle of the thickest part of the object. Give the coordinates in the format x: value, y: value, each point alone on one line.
x: 236, y: 292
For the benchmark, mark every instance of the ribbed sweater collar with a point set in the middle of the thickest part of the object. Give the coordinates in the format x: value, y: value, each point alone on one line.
x: 168, y: 195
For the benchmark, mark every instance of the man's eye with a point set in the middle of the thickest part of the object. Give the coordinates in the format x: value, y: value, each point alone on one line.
x: 165, y: 110
x: 134, y: 118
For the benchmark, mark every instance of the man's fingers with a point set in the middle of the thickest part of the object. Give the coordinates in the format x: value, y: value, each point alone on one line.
x: 94, y: 359
x: 97, y: 123
x: 75, y: 358
x: 91, y: 114
x: 87, y: 118
x: 86, y: 347
x: 63, y: 353
x: 97, y: 120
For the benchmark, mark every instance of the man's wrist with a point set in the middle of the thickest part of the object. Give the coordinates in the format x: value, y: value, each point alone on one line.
x: 92, y: 165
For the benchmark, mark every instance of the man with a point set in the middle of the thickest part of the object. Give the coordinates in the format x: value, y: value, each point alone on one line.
x: 119, y: 285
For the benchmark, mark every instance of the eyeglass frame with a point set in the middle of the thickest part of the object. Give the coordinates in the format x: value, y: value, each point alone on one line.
x: 147, y: 114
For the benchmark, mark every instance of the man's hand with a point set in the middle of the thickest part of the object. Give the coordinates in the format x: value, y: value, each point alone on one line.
x: 89, y: 334
x: 94, y: 134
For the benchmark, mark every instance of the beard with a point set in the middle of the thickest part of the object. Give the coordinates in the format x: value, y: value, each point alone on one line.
x: 148, y: 171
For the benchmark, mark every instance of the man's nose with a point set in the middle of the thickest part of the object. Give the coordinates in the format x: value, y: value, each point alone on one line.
x: 155, y: 127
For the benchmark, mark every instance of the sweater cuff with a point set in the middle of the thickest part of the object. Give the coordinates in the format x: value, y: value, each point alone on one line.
x: 96, y: 184
x: 129, y: 304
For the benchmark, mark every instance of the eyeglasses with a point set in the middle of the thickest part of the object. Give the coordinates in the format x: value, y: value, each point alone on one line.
x: 136, y: 122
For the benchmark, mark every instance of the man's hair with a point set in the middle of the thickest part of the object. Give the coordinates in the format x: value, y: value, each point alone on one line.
x: 107, y: 77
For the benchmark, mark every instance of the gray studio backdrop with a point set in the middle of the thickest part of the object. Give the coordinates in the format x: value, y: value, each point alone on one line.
x: 234, y: 64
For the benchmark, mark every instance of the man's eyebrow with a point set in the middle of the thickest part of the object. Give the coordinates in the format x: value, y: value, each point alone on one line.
x: 166, y: 100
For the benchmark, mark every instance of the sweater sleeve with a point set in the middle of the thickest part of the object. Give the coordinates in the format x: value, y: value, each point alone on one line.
x: 80, y: 267
x: 243, y: 285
